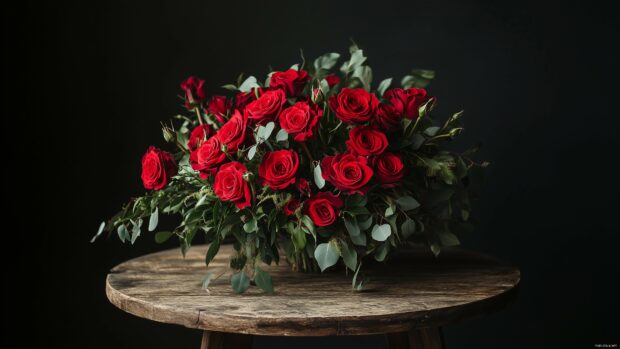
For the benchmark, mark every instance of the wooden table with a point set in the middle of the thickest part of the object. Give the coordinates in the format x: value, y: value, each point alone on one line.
x: 409, y: 299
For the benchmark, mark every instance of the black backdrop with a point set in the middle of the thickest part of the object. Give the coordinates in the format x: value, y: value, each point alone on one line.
x: 99, y: 76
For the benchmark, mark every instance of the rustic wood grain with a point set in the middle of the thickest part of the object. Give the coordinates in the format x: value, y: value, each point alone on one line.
x: 413, y: 290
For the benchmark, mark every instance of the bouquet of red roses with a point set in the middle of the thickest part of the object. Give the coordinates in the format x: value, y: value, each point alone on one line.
x: 312, y: 164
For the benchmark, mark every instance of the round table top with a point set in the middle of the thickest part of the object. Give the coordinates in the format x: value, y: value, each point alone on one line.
x: 412, y: 290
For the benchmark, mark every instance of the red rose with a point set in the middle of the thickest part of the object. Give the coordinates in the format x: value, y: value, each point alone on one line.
x: 303, y: 186
x: 416, y: 97
x: 365, y: 140
x: 219, y: 106
x: 323, y: 208
x: 347, y: 172
x: 207, y: 157
x: 267, y: 107
x: 301, y: 120
x: 230, y: 185
x: 390, y: 113
x: 158, y: 167
x: 198, y: 135
x: 278, y: 168
x: 292, y: 82
x: 194, y: 91
x: 354, y: 105
x: 332, y: 80
x: 232, y: 133
x: 242, y: 99
x: 290, y: 207
x: 389, y: 169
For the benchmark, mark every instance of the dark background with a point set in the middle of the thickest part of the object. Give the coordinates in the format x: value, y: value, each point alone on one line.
x: 88, y: 83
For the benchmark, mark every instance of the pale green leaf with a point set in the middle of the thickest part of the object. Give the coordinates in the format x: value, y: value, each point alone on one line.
x: 326, y: 255
x: 318, y: 177
x: 154, y: 219
x: 263, y: 280
x: 407, y: 203
x: 381, y: 232
x: 240, y: 282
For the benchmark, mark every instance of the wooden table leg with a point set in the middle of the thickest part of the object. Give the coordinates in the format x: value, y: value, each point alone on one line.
x: 221, y: 340
x: 425, y: 338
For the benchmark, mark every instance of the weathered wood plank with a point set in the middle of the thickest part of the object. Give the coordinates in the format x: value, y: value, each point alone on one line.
x: 414, y: 290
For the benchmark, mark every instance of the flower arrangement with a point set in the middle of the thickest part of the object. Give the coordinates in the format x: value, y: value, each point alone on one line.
x: 312, y: 164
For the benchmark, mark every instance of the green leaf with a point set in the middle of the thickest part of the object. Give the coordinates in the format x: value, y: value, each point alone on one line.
x: 384, y: 85
x: 407, y: 203
x: 326, y: 61
x: 318, y: 177
x: 352, y: 226
x: 390, y: 210
x: 359, y: 240
x: 364, y: 225
x: 206, y: 280
x: 99, y: 231
x: 381, y: 232
x: 418, y: 78
x: 239, y: 282
x: 326, y: 255
x: 298, y: 237
x: 263, y: 280
x: 447, y: 238
x: 162, y: 236
x: 212, y: 251
x: 354, y: 284
x: 357, y: 59
x: 154, y: 219
x: 364, y: 74
x: 431, y: 131
x: 248, y: 84
x: 136, y: 231
x: 268, y: 130
x: 282, y: 135
x: 251, y: 225
x: 356, y: 200
x: 417, y: 140
x: 252, y: 152
x: 349, y: 255
x: 230, y: 87
x: 382, y: 252
x: 357, y: 211
x: 407, y: 228
x: 307, y: 221
x: 436, y: 249
x: 123, y: 234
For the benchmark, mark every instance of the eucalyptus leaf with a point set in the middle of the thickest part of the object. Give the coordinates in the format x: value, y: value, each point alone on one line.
x: 163, y: 236
x: 251, y: 225
x: 230, y: 87
x: 364, y: 74
x: 282, y: 135
x: 351, y: 226
x: 382, y: 252
x: 365, y: 224
x: 99, y: 232
x: 383, y: 86
x: 432, y: 131
x: 326, y: 255
x: 349, y: 255
x: 252, y: 152
x: 268, y: 130
x: 240, y: 282
x: 136, y: 231
x: 381, y: 232
x: 448, y: 239
x: 206, y: 280
x: 154, y: 219
x: 359, y: 240
x: 263, y: 280
x: 123, y: 234
x: 298, y: 236
x: 407, y: 203
x: 318, y: 177
x: 248, y: 84
x: 407, y: 228
x: 326, y: 61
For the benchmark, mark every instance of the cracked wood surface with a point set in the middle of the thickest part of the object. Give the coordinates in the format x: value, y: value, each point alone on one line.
x: 413, y: 290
